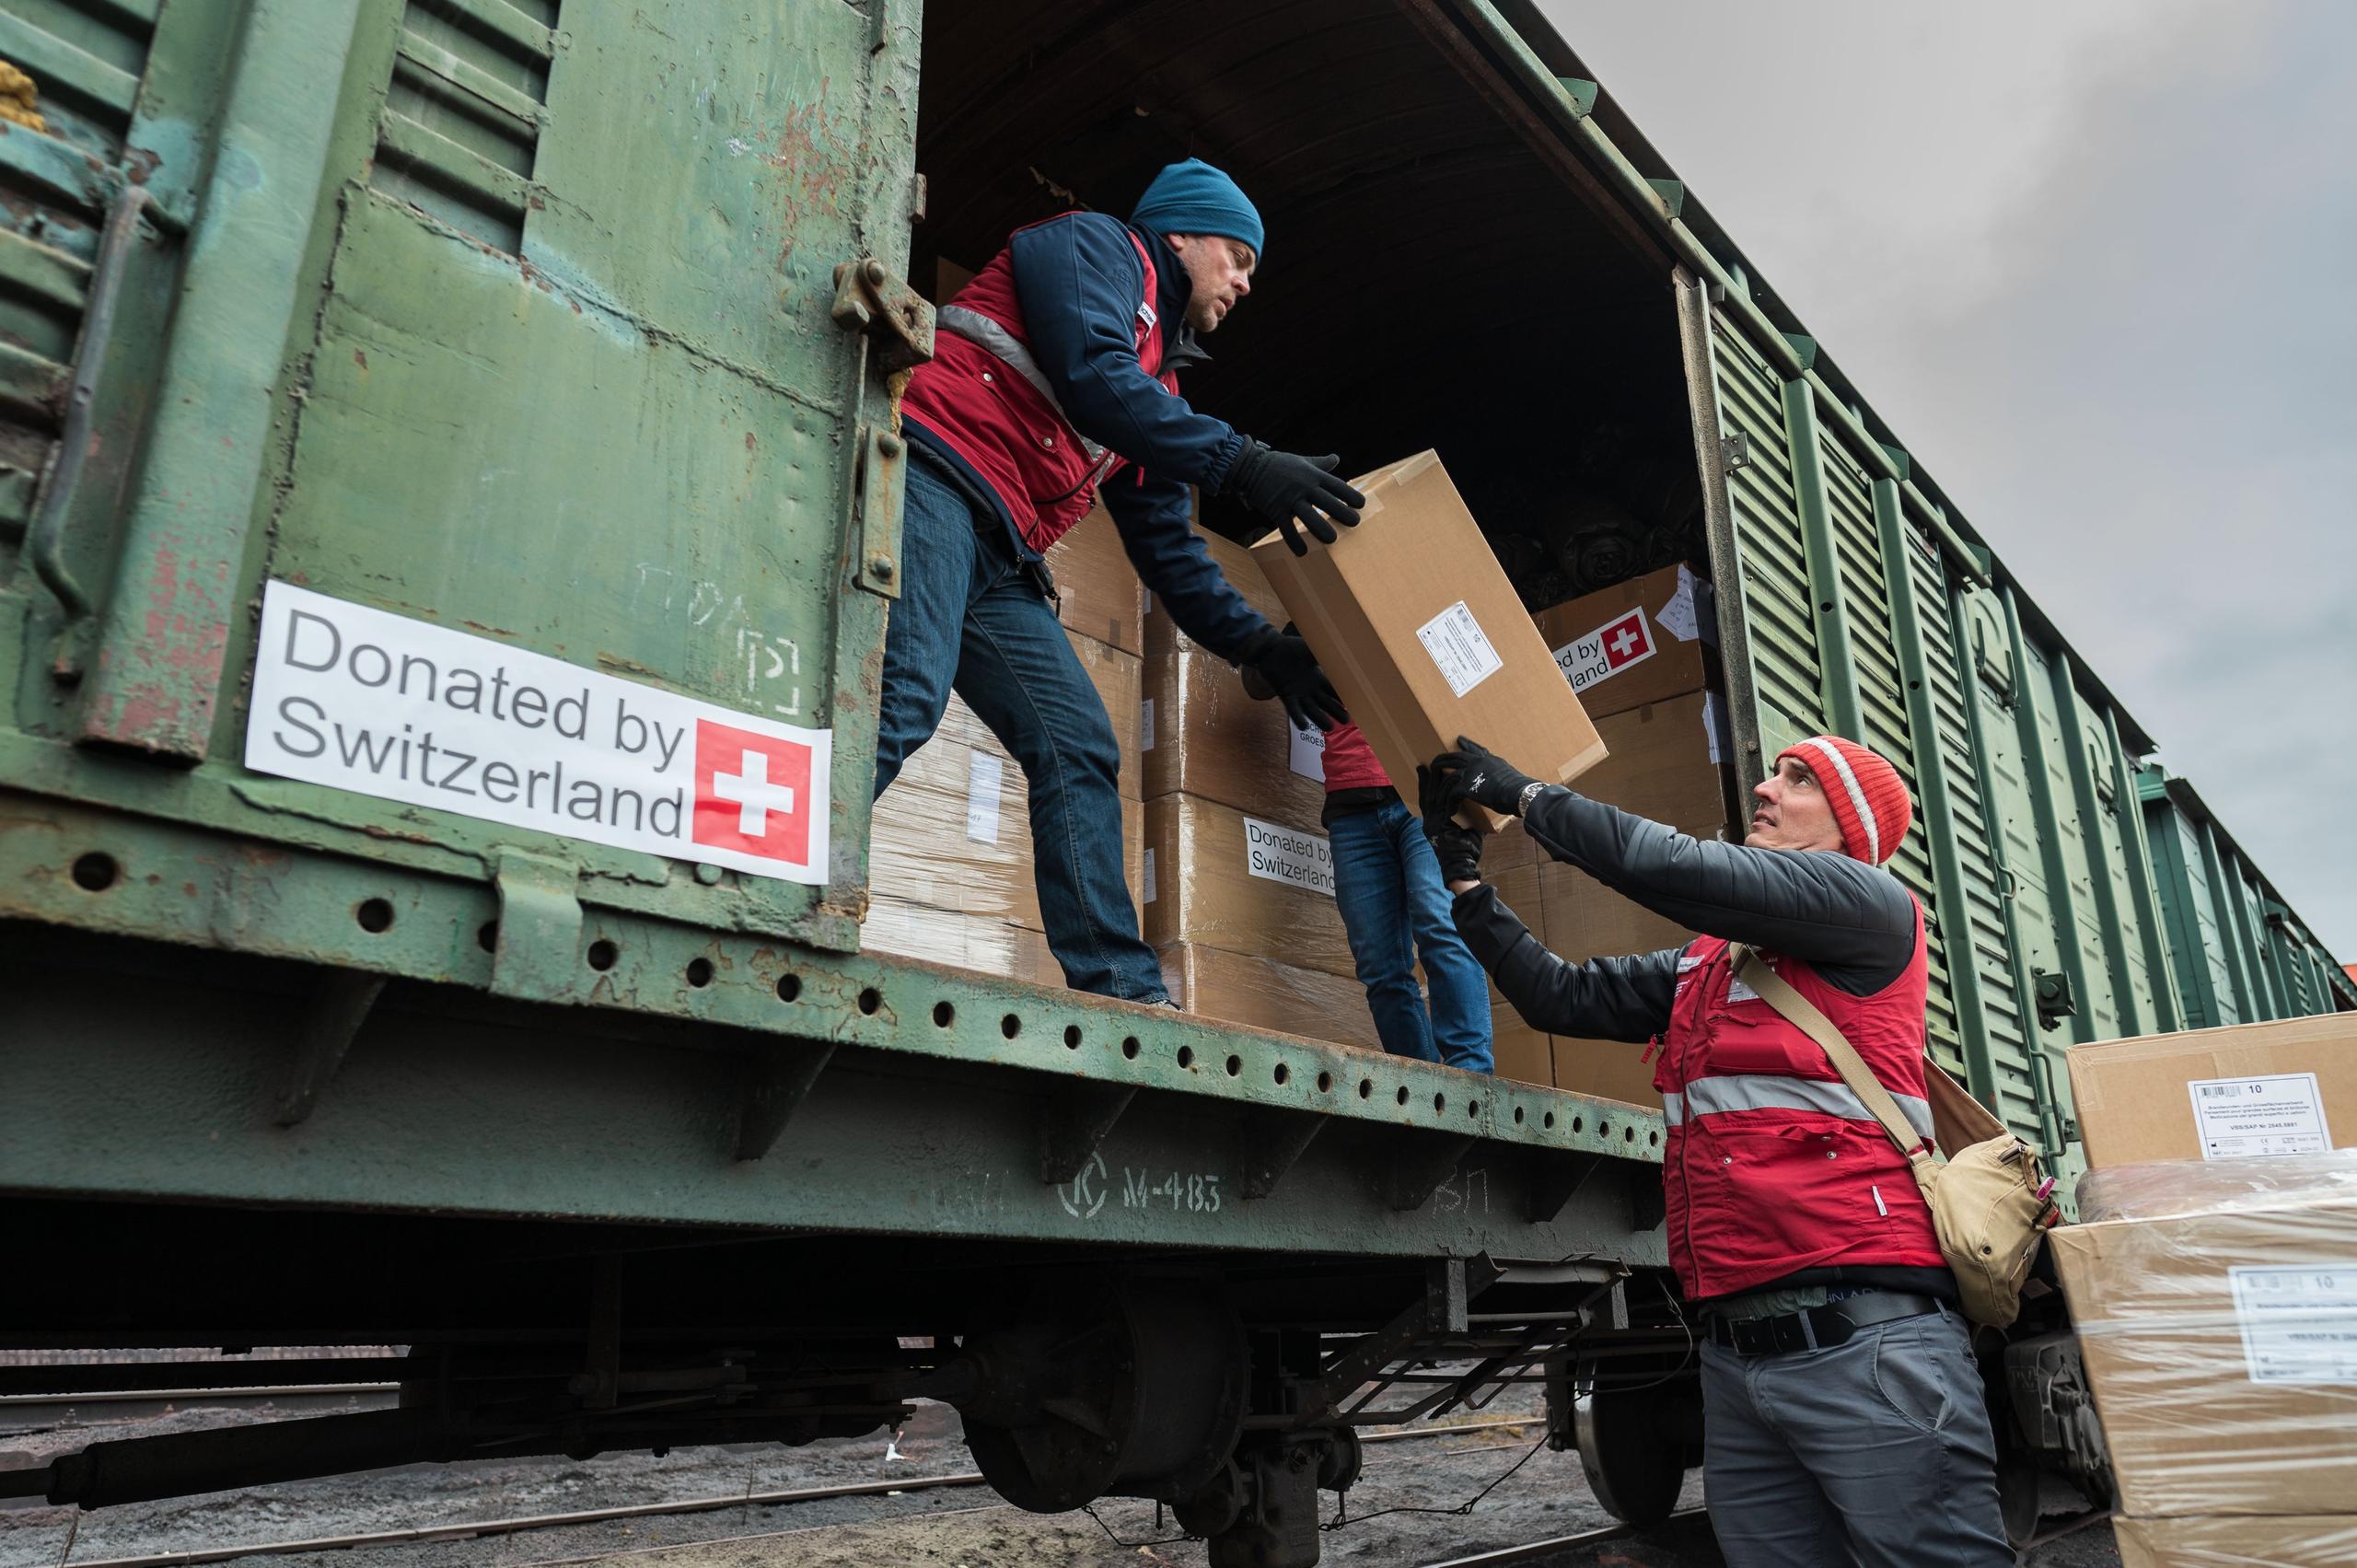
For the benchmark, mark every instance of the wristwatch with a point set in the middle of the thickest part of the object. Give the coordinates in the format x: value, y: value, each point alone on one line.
x: 1529, y: 792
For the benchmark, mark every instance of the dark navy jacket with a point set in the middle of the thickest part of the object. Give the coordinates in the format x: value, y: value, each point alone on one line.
x: 1080, y: 285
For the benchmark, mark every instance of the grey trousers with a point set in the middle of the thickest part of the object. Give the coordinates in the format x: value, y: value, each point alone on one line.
x: 1876, y: 1452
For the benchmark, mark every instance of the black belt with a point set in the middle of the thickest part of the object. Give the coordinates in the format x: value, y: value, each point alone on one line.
x: 1820, y: 1328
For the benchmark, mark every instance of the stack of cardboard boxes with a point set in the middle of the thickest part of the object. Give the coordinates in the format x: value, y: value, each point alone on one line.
x: 1239, y: 897
x: 2214, y: 1289
x: 1637, y: 655
x: 950, y: 856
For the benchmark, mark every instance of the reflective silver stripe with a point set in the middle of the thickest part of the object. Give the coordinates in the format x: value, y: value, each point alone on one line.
x: 1857, y: 795
x: 1774, y: 1091
x: 1673, y: 1108
x: 1001, y: 345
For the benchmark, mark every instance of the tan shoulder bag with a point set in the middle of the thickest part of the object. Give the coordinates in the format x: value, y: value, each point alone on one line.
x: 1989, y: 1205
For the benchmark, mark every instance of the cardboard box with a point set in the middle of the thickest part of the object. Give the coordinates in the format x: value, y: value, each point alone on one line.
x: 1220, y: 879
x: 1662, y: 767
x: 1205, y: 736
x: 1637, y: 641
x: 2327, y: 1541
x: 2141, y: 1099
x: 953, y: 833
x: 979, y: 943
x: 1424, y: 636
x: 2221, y: 1348
x: 1239, y: 989
x: 1522, y: 1055
x: 1098, y: 591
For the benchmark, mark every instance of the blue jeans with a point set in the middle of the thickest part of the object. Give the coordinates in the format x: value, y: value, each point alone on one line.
x: 1395, y: 909
x: 969, y: 619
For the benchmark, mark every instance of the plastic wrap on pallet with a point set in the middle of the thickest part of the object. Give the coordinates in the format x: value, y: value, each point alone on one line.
x: 2312, y: 1541
x: 954, y: 832
x: 2155, y: 1189
x: 961, y: 841
x: 1236, y: 987
x: 995, y: 947
x: 2220, y: 1335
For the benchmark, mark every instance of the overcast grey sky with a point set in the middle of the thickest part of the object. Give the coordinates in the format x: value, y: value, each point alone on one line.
x: 2095, y: 263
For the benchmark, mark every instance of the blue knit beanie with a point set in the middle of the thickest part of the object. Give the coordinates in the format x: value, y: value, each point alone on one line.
x: 1194, y: 198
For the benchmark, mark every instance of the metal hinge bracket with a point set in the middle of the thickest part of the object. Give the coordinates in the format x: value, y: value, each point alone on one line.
x: 538, y: 955
x: 1734, y: 450
x: 883, y: 466
x: 869, y: 300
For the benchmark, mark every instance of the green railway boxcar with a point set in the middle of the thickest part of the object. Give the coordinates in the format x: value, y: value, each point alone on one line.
x: 570, y: 330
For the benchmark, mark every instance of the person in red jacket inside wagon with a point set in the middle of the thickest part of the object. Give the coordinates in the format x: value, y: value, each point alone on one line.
x: 1394, y: 910
x: 1844, y: 1419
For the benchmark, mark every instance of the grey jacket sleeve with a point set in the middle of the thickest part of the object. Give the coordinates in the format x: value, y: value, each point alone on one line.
x: 1625, y: 999
x: 1853, y: 922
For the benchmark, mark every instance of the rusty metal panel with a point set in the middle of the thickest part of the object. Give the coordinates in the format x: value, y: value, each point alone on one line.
x: 516, y: 320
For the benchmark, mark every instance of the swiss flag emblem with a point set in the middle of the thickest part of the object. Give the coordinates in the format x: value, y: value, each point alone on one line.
x: 752, y: 792
x: 1626, y: 639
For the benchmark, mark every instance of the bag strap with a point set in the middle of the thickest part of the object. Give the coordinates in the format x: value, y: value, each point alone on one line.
x: 1798, y: 1010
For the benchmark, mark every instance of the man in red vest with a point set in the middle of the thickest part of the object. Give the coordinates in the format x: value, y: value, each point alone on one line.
x: 1844, y: 1419
x: 1055, y: 376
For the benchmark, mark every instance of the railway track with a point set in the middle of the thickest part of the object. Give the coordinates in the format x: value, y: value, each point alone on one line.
x: 477, y: 1528
x: 1533, y: 1551
x: 52, y: 1412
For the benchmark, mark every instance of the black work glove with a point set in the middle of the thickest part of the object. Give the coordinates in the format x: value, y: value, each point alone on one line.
x: 1474, y: 773
x: 1459, y: 849
x: 1290, y: 669
x: 1294, y: 491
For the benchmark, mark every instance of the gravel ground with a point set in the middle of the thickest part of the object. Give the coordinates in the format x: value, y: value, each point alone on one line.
x: 955, y: 1527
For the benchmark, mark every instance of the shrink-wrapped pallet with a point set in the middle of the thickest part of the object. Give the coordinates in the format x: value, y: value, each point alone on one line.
x: 2217, y: 1313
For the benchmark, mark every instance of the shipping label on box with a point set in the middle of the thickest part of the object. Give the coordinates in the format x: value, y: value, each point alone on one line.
x: 2255, y: 1117
x: 2299, y: 1321
x: 1288, y: 854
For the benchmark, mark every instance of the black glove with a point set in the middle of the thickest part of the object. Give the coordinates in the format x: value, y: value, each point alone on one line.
x: 1290, y: 670
x: 1289, y: 488
x: 1474, y: 773
x: 1458, y: 849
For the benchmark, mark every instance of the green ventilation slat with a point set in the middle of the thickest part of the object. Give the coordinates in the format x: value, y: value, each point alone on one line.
x: 1768, y: 530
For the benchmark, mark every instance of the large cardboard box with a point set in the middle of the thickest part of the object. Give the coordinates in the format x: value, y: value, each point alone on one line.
x: 1424, y: 636
x: 1637, y: 641
x: 1098, y: 591
x: 1239, y: 989
x: 2253, y: 1089
x: 2222, y: 1347
x: 1221, y: 879
x: 2327, y: 1541
x: 1205, y: 736
x: 1663, y: 765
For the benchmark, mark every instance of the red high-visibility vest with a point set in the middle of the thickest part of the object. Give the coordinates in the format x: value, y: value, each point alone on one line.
x: 985, y: 396
x: 1773, y: 1164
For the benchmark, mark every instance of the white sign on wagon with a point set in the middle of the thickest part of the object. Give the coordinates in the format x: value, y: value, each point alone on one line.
x: 381, y: 704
